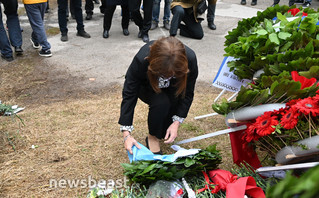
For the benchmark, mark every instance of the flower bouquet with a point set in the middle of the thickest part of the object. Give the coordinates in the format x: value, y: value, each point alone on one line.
x: 286, y: 128
x: 278, y: 51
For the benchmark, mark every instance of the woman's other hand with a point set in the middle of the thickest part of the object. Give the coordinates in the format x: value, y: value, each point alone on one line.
x: 171, y: 132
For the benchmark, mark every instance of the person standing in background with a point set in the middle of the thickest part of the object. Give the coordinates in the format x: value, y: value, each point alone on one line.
x: 35, y: 10
x: 14, y: 30
x: 108, y: 15
x: 62, y: 18
x: 211, y: 14
x: 156, y: 13
x: 143, y: 23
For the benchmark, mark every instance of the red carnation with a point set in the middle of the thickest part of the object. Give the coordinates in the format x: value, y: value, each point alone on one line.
x: 307, y: 105
x: 264, y: 124
x: 290, y: 119
x: 305, y: 82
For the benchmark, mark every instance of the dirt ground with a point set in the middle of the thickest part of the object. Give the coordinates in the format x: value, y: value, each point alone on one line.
x: 74, y: 130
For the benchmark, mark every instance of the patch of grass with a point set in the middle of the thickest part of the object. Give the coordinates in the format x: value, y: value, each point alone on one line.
x: 192, y: 127
x: 52, y: 31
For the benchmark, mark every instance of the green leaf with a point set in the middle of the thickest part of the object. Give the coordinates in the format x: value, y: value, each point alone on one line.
x: 286, y: 46
x: 268, y: 26
x: 189, y: 162
x: 262, y: 32
x: 274, y: 38
x: 284, y: 35
x: 281, y: 17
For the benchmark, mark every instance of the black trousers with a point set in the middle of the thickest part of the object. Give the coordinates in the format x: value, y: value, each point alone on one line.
x: 191, y: 29
x: 108, y: 15
x: 144, y: 24
x: 162, y: 107
x: 89, y: 7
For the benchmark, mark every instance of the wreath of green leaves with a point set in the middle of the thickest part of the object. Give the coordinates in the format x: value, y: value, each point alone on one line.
x: 277, y: 47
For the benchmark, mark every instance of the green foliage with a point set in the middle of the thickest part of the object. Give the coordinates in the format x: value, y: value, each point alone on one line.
x: 305, y: 186
x: 146, y: 172
x: 5, y: 108
x: 276, y: 47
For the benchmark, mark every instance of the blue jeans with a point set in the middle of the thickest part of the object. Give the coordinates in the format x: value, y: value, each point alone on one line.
x: 62, y: 13
x: 156, y: 10
x: 14, y: 28
x: 35, y: 13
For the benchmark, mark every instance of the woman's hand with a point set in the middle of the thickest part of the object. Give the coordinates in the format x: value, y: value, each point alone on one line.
x: 129, y: 141
x: 171, y: 132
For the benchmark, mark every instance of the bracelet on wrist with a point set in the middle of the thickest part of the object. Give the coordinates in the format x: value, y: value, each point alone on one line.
x: 125, y: 138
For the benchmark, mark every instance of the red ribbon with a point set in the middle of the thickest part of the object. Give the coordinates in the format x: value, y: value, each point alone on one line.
x: 235, y: 187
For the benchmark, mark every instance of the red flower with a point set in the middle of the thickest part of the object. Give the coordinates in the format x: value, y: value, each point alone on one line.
x: 292, y: 102
x: 307, y: 105
x: 250, y: 133
x: 281, y: 111
x: 305, y: 82
x: 290, y: 119
x: 295, y: 11
x: 264, y: 124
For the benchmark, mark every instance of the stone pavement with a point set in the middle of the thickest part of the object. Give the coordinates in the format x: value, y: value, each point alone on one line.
x: 106, y: 60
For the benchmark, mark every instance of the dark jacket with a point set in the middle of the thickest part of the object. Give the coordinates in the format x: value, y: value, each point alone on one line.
x: 136, y: 77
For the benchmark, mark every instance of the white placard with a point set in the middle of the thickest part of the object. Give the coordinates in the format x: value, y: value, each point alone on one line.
x: 226, y: 79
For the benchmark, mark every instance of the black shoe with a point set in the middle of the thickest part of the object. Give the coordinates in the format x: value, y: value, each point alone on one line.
x: 253, y: 3
x: 7, y: 58
x: 306, y: 4
x: 64, y: 37
x: 291, y: 3
x: 243, y: 2
x: 88, y: 17
x: 83, y: 34
x: 18, y: 50
x: 45, y: 53
x: 145, y: 38
x: 126, y: 32
x: 102, y: 9
x: 35, y: 45
x: 139, y: 35
x: 106, y: 34
x: 211, y: 25
x: 147, y: 146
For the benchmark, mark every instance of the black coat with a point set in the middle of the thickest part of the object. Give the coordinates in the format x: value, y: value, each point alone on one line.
x: 136, y: 77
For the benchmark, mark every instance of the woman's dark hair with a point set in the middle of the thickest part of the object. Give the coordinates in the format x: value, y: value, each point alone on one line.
x: 167, y: 59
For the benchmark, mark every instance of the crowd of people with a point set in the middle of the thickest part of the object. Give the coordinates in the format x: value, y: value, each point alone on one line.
x: 185, y: 18
x: 182, y: 10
